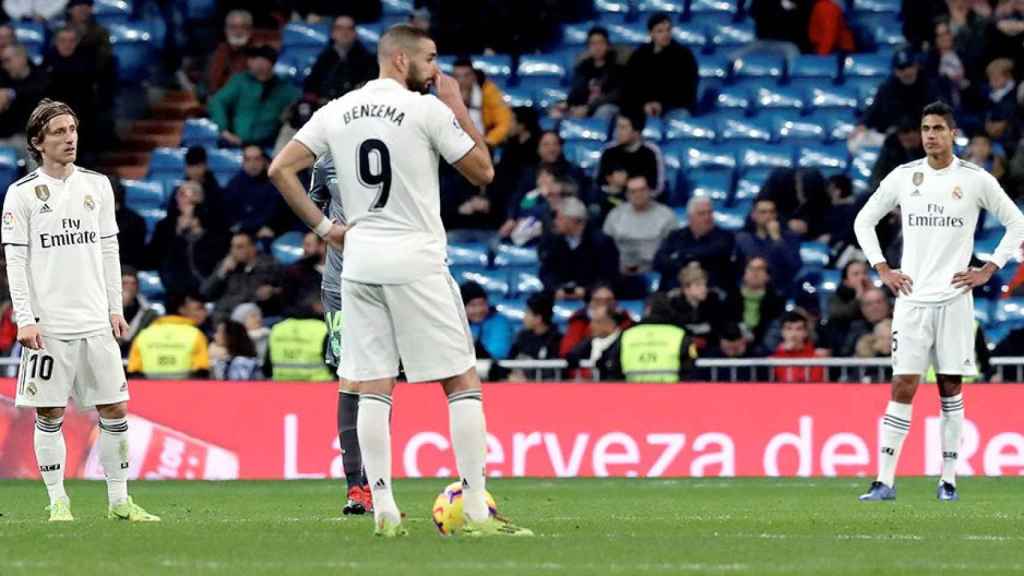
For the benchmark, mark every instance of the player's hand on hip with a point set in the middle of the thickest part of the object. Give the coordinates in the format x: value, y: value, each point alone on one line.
x: 119, y: 326
x: 972, y: 278
x: 30, y: 337
x: 897, y: 281
x: 336, y: 236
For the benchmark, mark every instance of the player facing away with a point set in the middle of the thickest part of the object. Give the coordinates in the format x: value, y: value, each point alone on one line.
x: 63, y: 267
x: 400, y: 300
x: 323, y: 190
x: 940, y: 197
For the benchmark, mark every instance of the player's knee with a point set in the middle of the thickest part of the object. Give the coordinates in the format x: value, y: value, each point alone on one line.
x: 903, y: 389
x: 119, y: 410
x: 468, y: 380
x: 949, y: 385
x: 52, y: 413
x: 348, y: 386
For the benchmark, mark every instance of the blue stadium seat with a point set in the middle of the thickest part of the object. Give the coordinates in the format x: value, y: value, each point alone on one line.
x: 565, y: 309
x: 714, y: 185
x: 749, y: 184
x: 653, y: 281
x: 446, y: 63
x: 166, y: 166
x: 541, y: 71
x: 731, y: 35
x: 814, y: 66
x: 866, y: 88
x: 302, y: 34
x: 766, y: 156
x: 200, y: 9
x: 885, y: 34
x: 29, y: 32
x: 494, y: 282
x: 595, y: 129
x: 713, y: 67
x: 369, y: 33
x: 732, y: 217
x: 575, y: 34
x: 873, y: 65
x: 654, y: 129
x: 863, y: 162
x: 700, y: 156
x: 891, y: 8
x: 832, y: 97
x: 722, y: 8
x: 838, y: 124
x: 829, y: 158
x: 397, y: 7
x: 296, y: 63
x: 133, y: 48
x: 814, y: 254
x: 748, y: 129
x: 984, y: 310
x: 507, y: 255
x: 548, y: 97
x: 199, y: 132
x: 1010, y: 312
x: 150, y: 285
x: 759, y: 67
x: 108, y: 12
x: 8, y: 168
x: 497, y: 67
x: 141, y: 194
x: 152, y: 216
x: 224, y: 163
x: 513, y: 309
x: 693, y: 38
x: 671, y: 157
x: 516, y: 96
x: 685, y: 127
x: 612, y: 11
x: 287, y: 248
x: 467, y: 254
x: 734, y: 98
x: 633, y: 34
x: 647, y: 7
x: 525, y: 282
x: 635, y: 308
x: 586, y: 154
x: 792, y: 128
x: 779, y: 98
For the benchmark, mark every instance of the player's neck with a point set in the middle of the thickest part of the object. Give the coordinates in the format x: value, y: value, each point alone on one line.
x: 56, y: 170
x: 393, y: 75
x: 941, y: 161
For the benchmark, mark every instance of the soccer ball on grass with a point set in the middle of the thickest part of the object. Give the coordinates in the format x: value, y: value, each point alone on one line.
x: 448, y: 516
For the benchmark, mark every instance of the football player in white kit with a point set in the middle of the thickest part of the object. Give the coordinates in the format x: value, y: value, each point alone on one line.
x: 400, y: 300
x: 63, y: 267
x: 940, y: 197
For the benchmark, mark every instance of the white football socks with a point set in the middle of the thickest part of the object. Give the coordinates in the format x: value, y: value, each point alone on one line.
x: 114, y: 455
x: 469, y: 441
x: 51, y: 454
x: 374, y: 430
x: 895, y: 427
x: 952, y: 424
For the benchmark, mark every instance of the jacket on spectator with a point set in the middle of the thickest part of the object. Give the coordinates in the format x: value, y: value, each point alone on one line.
x: 643, y: 159
x: 131, y: 237
x: 828, y: 32
x: 595, y: 259
x: 182, y: 350
x: 494, y: 334
x: 183, y: 259
x: 225, y: 63
x: 646, y: 77
x: 28, y: 91
x: 798, y: 373
x: 604, y: 82
x: 251, y: 203
x: 251, y: 109
x: 714, y: 252
x: 240, y: 285
x: 495, y: 114
x: 895, y: 100
x: 332, y: 77
x: 578, y: 329
x: 783, y: 255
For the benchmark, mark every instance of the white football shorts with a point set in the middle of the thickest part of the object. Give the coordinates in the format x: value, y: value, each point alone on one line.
x: 941, y: 334
x: 89, y: 369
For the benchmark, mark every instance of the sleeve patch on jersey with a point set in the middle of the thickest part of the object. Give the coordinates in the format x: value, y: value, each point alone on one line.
x: 8, y: 221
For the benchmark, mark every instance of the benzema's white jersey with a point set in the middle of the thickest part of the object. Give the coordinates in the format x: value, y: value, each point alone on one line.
x: 939, y: 212
x: 62, y: 222
x: 385, y: 141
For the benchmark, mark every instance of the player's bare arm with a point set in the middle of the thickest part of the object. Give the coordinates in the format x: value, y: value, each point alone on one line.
x: 284, y: 173
x: 476, y: 166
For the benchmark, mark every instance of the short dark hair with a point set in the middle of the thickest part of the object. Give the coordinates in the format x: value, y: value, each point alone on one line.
x: 658, y: 18
x: 542, y: 305
x: 638, y: 176
x: 238, y: 341
x: 176, y: 300
x: 637, y: 119
x: 127, y: 270
x: 195, y: 155
x: 528, y: 117
x: 940, y: 108
x: 597, y: 31
x: 402, y: 35
x: 247, y: 233
x: 463, y: 62
x: 45, y: 111
x: 792, y: 317
x: 843, y: 183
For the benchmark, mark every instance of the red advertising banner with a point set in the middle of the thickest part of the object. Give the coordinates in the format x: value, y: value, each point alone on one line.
x: 224, y: 430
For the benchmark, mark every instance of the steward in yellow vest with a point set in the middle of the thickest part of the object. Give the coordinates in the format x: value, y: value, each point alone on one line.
x: 655, y: 350
x: 171, y: 347
x: 296, y: 351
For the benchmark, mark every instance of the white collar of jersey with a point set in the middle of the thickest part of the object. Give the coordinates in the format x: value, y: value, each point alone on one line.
x: 384, y: 84
x: 43, y: 174
x: 952, y: 163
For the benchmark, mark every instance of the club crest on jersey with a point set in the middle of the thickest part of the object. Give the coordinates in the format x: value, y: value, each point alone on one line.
x: 89, y: 202
x: 918, y: 178
x: 957, y: 193
x: 8, y: 221
x: 42, y: 192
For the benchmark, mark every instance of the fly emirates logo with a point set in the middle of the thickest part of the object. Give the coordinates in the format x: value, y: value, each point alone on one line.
x: 71, y: 234
x: 934, y: 218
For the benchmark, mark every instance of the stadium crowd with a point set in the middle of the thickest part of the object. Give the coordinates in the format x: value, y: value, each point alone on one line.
x: 601, y: 237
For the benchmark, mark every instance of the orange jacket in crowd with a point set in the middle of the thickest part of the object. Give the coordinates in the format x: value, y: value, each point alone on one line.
x: 828, y: 31
x: 798, y: 373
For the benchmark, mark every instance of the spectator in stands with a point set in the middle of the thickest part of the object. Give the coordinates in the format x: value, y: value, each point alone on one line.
x: 578, y: 327
x: 732, y: 345
x: 842, y: 212
x: 187, y: 244
x: 38, y: 10
x: 597, y: 79
x: 981, y: 152
x: 1001, y: 90
x: 576, y: 255
x: 250, y: 107
x: 874, y: 308
x: 95, y: 38
x: 138, y: 312
x: 420, y: 18
x: 1004, y: 35
x: 797, y: 343
x: 8, y: 37
x: 918, y: 16
x: 655, y: 350
x: 638, y: 227
x: 295, y: 351
x: 197, y: 169
x: 75, y: 80
x: 302, y: 279
x: 598, y: 347
x: 230, y: 56
x: 172, y: 347
x: 765, y: 238
x: 645, y: 83
x: 877, y: 344
x: 844, y: 303
x: 250, y: 199
x: 1002, y: 130
x: 22, y: 86
x: 343, y: 66
x: 968, y: 22
x: 827, y: 31
x: 904, y: 94
x: 539, y: 339
x: 249, y: 315
x: 131, y: 229
x: 550, y: 152
x: 944, y: 60
x: 518, y: 154
x: 698, y: 308
x: 532, y: 214
x: 244, y: 275
x: 800, y: 198
x: 484, y: 101
x: 492, y: 332
x: 631, y: 155
x: 757, y: 303
x: 701, y: 241
x: 233, y: 354
x: 314, y: 11
x: 470, y: 213
x: 901, y: 146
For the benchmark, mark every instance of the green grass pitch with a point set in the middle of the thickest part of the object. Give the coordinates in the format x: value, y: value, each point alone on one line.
x: 692, y: 526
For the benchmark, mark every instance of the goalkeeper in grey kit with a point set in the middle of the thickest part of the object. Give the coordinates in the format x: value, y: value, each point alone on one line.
x: 323, y: 190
